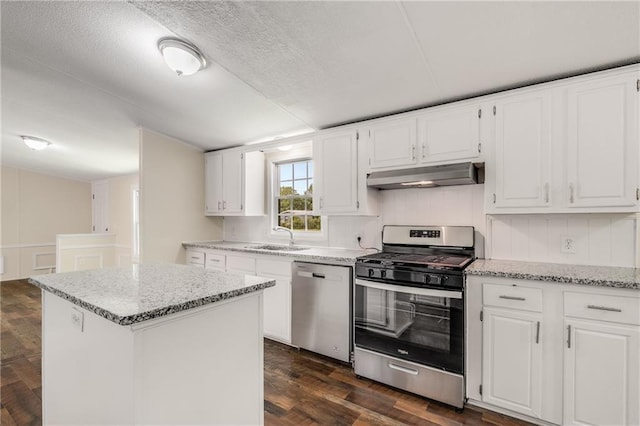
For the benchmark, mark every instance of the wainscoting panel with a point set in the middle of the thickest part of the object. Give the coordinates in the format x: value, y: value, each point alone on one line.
x: 596, y: 239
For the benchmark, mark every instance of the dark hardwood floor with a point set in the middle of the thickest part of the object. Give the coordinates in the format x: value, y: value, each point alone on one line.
x: 301, y: 388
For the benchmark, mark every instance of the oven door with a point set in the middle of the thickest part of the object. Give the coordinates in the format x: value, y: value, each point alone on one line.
x: 422, y: 325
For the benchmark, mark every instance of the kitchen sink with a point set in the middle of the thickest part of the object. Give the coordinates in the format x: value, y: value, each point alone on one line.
x: 274, y: 247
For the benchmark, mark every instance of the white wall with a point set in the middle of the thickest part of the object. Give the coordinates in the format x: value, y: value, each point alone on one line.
x: 171, y: 199
x: 36, y: 207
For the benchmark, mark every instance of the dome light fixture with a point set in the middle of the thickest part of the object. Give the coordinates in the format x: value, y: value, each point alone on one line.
x: 34, y: 143
x: 181, y: 56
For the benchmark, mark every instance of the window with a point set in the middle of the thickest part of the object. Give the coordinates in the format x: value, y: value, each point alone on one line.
x: 294, y: 196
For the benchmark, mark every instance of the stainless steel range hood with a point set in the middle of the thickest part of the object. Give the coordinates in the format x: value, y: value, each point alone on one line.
x: 427, y: 177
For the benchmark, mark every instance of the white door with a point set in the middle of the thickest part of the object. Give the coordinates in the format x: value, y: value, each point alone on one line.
x: 100, y: 206
x: 393, y: 144
x: 450, y: 133
x: 232, y: 182
x: 336, y: 172
x: 602, y: 150
x: 512, y: 360
x: 523, y: 173
x: 601, y: 374
x: 213, y: 183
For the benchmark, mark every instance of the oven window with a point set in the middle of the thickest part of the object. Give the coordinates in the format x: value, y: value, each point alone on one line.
x: 422, y: 328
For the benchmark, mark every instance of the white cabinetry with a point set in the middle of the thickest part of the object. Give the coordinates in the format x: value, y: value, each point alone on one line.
x: 602, y: 360
x: 523, y: 155
x: 571, y: 146
x: 450, y: 133
x: 560, y: 353
x: 436, y: 135
x: 340, y: 185
x: 100, y: 206
x: 392, y: 143
x: 602, y: 142
x: 277, y: 299
x: 234, y: 183
x: 512, y: 348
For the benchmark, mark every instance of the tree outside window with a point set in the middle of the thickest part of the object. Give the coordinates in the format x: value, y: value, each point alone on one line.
x: 294, y: 199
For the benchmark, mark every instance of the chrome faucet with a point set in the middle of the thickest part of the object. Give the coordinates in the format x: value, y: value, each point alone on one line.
x: 280, y: 228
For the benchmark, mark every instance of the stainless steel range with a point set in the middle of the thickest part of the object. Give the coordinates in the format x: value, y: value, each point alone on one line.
x: 409, y: 310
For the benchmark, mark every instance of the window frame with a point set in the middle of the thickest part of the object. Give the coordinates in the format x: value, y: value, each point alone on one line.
x: 274, y: 159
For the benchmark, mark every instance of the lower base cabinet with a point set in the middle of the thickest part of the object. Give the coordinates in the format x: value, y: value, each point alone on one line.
x: 601, y: 373
x: 554, y: 353
x: 512, y: 360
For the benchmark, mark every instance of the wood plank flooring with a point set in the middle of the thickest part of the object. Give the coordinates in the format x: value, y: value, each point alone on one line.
x: 301, y: 388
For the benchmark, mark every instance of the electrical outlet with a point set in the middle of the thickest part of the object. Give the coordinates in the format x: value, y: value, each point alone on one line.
x: 568, y: 245
x: 77, y: 319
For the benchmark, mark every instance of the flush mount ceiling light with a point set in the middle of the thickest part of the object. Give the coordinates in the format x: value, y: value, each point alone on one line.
x: 35, y: 143
x: 182, y: 57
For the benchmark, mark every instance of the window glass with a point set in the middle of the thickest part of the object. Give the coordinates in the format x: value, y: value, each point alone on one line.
x: 294, y: 202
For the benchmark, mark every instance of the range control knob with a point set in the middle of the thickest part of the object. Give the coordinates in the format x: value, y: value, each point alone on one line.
x: 383, y: 273
x: 371, y: 272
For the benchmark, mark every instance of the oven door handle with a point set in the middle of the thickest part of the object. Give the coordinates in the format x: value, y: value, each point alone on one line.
x: 451, y: 294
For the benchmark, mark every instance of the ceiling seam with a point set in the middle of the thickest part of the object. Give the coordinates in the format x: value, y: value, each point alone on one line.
x: 423, y: 55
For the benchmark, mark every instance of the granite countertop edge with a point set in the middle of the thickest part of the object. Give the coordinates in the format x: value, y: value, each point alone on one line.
x: 295, y: 254
x: 573, y: 277
x: 155, y: 313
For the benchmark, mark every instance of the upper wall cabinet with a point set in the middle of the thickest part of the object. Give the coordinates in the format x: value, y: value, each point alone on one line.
x: 392, y: 143
x: 568, y: 147
x: 450, y: 133
x: 523, y: 141
x: 437, y: 135
x: 339, y: 176
x: 602, y: 142
x: 234, y: 183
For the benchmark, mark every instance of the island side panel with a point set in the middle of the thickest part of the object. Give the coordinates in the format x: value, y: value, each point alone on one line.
x: 86, y: 368
x: 202, y: 368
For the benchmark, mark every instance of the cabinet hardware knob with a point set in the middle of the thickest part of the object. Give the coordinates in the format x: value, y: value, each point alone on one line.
x: 494, y: 198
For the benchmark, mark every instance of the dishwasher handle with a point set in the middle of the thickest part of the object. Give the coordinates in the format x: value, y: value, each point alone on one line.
x: 308, y: 274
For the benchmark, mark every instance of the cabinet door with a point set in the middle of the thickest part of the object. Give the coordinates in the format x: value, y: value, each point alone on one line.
x: 232, y: 182
x: 336, y: 172
x: 601, y: 374
x: 393, y: 144
x: 277, y: 310
x: 512, y: 360
x: 213, y: 183
x: 450, y: 133
x: 523, y: 174
x: 602, y: 150
x: 100, y: 206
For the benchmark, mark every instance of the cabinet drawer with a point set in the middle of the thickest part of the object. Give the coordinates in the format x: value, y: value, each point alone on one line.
x: 273, y: 268
x: 523, y: 298
x: 215, y: 261
x: 241, y: 264
x: 619, y: 309
x: 195, y: 257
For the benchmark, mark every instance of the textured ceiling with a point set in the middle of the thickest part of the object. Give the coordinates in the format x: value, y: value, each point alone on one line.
x: 85, y: 75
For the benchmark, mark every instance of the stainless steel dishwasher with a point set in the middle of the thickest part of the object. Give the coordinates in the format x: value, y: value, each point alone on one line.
x: 321, y: 309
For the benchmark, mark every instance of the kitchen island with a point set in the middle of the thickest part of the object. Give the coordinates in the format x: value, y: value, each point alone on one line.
x: 152, y: 344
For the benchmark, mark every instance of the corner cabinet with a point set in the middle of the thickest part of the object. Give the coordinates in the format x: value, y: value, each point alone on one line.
x: 340, y: 186
x: 569, y: 147
x: 234, y: 183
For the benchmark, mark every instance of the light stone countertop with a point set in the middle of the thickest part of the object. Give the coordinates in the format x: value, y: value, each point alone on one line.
x: 309, y: 254
x: 138, y: 293
x: 602, y: 276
